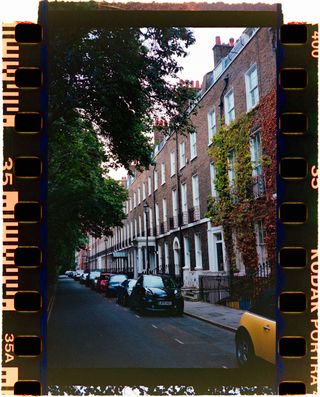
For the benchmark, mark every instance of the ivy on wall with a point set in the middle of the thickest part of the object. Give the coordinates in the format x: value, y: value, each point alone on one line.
x: 235, y: 208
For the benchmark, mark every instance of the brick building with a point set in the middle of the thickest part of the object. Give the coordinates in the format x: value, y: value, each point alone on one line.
x: 181, y: 239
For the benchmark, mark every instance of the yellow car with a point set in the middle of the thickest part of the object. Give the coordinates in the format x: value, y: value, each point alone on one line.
x: 256, y: 335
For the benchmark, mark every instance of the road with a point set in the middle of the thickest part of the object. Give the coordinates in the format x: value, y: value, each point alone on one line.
x: 88, y: 330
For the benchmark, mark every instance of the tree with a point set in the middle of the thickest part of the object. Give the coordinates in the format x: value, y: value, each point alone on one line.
x: 105, y: 88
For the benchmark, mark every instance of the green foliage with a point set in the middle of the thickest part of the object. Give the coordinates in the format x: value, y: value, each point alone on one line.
x: 105, y: 86
x: 119, y: 79
x: 235, y: 207
x: 80, y: 198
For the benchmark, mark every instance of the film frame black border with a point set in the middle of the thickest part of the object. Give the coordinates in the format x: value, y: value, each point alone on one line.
x: 298, y: 57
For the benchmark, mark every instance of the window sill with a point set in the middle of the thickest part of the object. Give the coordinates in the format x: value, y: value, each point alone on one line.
x: 182, y: 167
x: 194, y: 157
x: 198, y: 268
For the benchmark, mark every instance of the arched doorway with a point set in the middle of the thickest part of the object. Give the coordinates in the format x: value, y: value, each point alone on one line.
x: 176, y: 256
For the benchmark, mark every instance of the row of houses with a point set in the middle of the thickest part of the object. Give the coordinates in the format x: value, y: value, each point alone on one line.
x: 167, y: 228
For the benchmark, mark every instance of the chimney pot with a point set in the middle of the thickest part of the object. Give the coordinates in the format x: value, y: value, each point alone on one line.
x: 231, y: 41
x: 197, y: 84
x: 218, y: 40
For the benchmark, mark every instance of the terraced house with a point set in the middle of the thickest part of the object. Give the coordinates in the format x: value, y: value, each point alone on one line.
x: 200, y: 213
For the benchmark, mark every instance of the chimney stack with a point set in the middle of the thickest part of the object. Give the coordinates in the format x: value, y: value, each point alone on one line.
x: 220, y: 50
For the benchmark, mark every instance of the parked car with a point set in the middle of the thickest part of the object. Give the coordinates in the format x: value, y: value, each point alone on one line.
x: 157, y: 294
x: 84, y: 276
x: 114, y: 283
x: 256, y: 335
x: 125, y: 290
x: 92, y: 276
x: 103, y: 281
x: 78, y: 274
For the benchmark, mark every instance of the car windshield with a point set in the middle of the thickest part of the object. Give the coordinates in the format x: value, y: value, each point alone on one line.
x: 159, y: 282
x: 118, y: 278
x: 132, y: 283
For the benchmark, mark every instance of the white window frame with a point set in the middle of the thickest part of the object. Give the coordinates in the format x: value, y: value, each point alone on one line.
x: 212, y: 125
x: 256, y: 153
x: 252, y: 88
x: 229, y: 108
x: 187, y: 253
x: 140, y: 226
x: 172, y: 163
x: 184, y: 197
x: 231, y: 168
x: 174, y: 203
x: 213, y: 231
x: 135, y: 227
x: 130, y: 203
x: 193, y: 145
x: 150, y: 221
x: 149, y: 185
x: 139, y: 195
x: 155, y: 182
x: 164, y: 210
x: 260, y: 242
x: 134, y: 200
x: 182, y: 154
x: 214, y: 192
x: 195, y: 191
x: 198, y: 251
x: 163, y: 173
x: 157, y: 215
x: 143, y: 191
x: 166, y: 257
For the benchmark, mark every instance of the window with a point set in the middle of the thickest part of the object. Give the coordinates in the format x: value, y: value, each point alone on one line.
x: 155, y: 180
x: 195, y: 190
x: 174, y: 203
x: 186, y: 243
x: 150, y: 221
x: 143, y: 191
x: 140, y: 226
x: 160, y: 258
x: 182, y: 159
x: 128, y: 231
x: 166, y: 257
x: 164, y: 210
x: 149, y: 185
x: 134, y: 200
x: 193, y: 145
x: 261, y: 247
x: 130, y: 204
x: 218, y: 243
x: 212, y: 127
x: 198, y: 251
x: 229, y: 111
x: 184, y: 201
x: 139, y: 195
x: 214, y: 192
x: 252, y: 90
x: 144, y: 221
x: 256, y: 154
x: 231, y: 168
x: 163, y: 173
x: 173, y: 163
x: 157, y: 220
x: 131, y: 230
x: 135, y: 228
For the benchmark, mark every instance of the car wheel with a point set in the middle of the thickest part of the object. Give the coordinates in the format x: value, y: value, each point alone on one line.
x: 244, y: 350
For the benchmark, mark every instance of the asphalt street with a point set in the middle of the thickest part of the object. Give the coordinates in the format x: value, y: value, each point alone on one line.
x: 88, y: 330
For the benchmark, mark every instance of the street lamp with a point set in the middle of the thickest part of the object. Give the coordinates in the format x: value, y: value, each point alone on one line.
x: 146, y: 209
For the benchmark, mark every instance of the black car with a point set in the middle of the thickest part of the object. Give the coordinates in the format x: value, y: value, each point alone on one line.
x: 114, y: 282
x: 157, y: 294
x: 125, y: 290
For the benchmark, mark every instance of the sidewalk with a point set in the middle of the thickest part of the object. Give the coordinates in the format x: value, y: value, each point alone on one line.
x: 218, y: 315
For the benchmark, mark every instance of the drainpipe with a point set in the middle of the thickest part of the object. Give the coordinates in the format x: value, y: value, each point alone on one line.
x: 226, y: 82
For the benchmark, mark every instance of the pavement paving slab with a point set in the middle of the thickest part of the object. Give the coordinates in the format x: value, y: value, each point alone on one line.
x: 219, y: 315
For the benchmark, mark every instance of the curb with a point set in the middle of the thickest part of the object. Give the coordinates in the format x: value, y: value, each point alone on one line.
x: 227, y: 327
